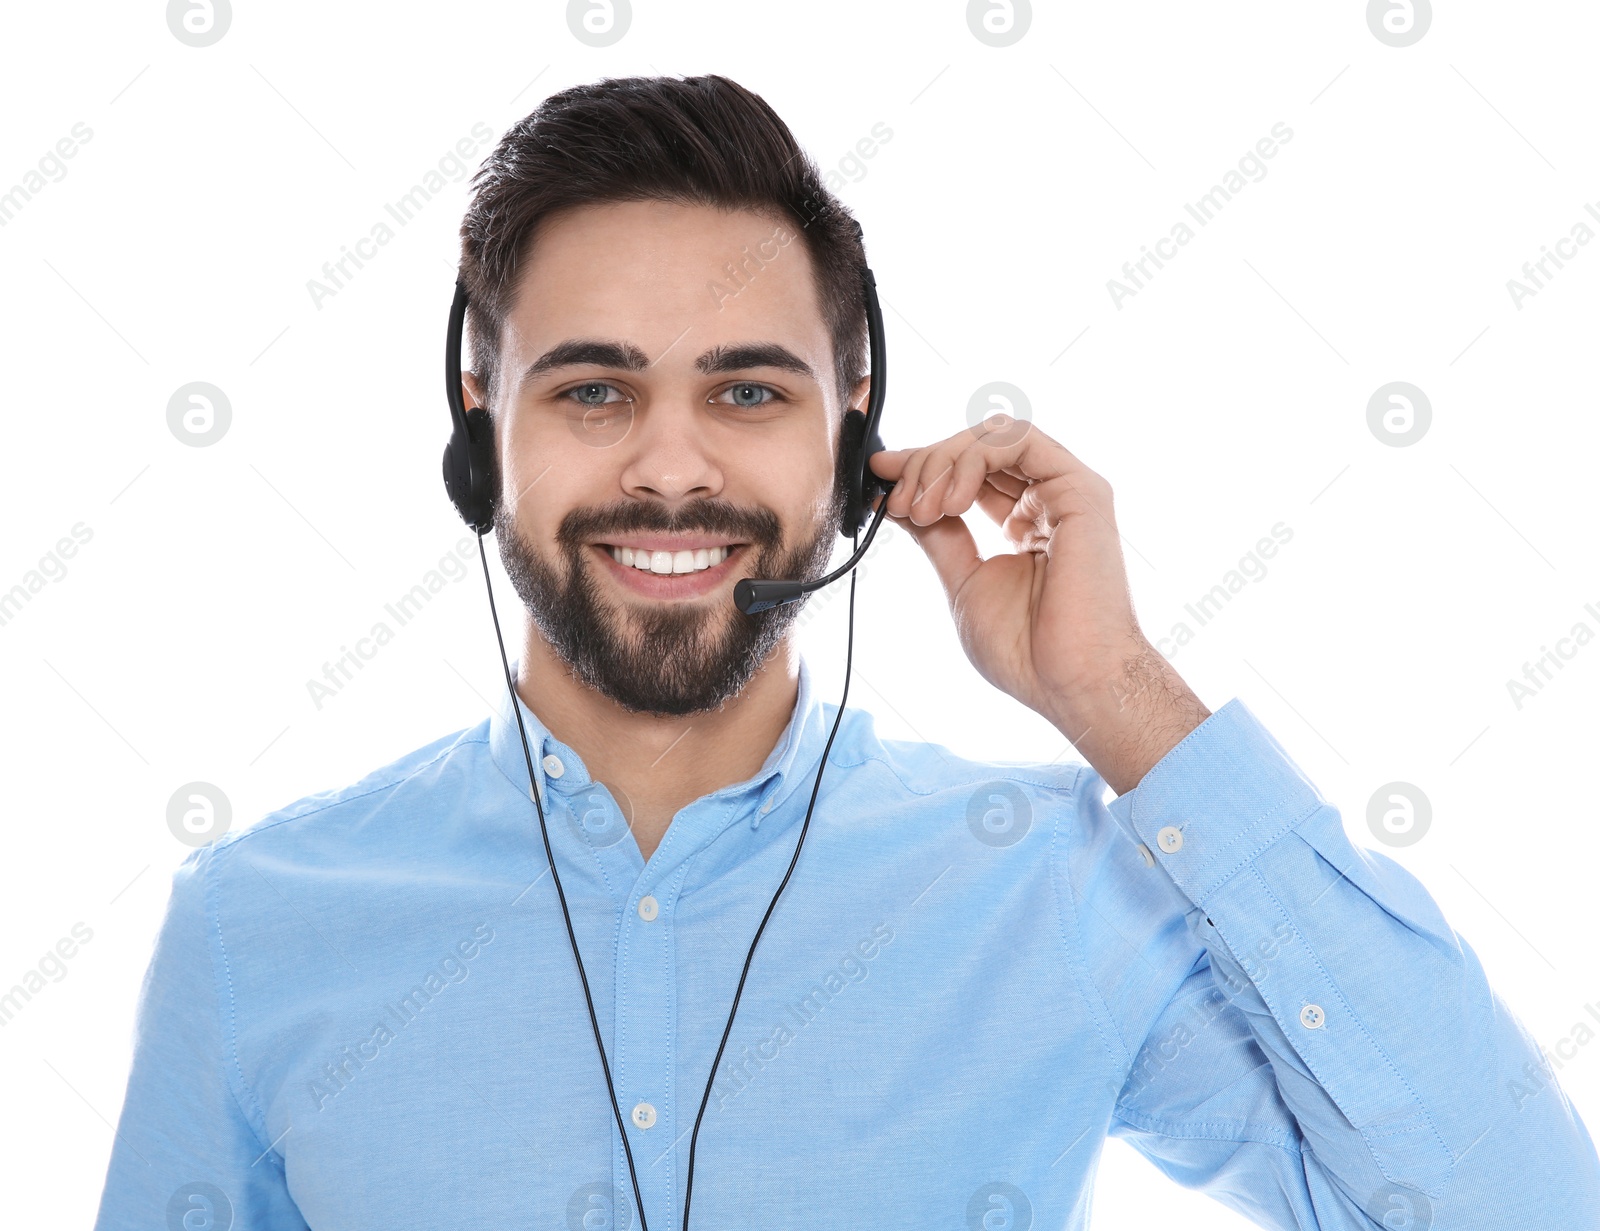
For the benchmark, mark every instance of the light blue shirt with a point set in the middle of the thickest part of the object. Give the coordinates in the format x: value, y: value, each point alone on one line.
x: 362, y: 1012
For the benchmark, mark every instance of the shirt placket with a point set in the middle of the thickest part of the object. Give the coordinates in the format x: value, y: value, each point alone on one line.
x: 646, y: 999
x: 587, y: 825
x: 643, y: 1041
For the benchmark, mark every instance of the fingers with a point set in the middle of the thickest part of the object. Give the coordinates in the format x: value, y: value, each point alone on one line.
x: 1008, y: 481
x: 967, y: 478
x: 998, y: 505
x: 945, y: 479
x: 909, y: 485
x: 929, y: 498
x: 950, y: 547
x: 926, y: 480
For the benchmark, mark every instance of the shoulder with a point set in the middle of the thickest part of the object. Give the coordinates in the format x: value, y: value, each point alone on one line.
x: 922, y: 768
x: 385, y: 804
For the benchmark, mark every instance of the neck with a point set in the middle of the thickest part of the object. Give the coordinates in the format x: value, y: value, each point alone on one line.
x: 655, y: 764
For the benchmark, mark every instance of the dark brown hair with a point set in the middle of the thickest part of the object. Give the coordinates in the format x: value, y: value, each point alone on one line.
x: 688, y: 140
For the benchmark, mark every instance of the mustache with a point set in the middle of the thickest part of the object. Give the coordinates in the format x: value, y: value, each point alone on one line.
x: 758, y: 526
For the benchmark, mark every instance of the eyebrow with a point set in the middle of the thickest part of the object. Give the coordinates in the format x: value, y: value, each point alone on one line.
x: 753, y: 355
x: 597, y: 352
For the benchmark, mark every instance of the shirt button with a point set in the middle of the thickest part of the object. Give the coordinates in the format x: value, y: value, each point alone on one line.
x: 1144, y: 854
x: 767, y: 807
x: 1312, y: 1016
x: 553, y: 766
x: 644, y: 1115
x: 649, y: 908
x: 1170, y: 838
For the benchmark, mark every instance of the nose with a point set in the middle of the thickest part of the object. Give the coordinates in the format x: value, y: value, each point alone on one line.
x: 669, y: 456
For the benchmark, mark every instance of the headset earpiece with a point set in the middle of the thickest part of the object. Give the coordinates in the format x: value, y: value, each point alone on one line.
x: 859, y: 432
x: 471, y: 468
x: 861, y: 484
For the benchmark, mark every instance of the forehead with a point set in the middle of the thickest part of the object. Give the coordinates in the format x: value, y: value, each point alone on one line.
x: 666, y: 275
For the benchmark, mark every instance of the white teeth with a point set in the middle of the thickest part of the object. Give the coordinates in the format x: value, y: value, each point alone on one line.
x: 668, y: 562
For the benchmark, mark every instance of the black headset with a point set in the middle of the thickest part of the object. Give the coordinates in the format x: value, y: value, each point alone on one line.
x: 472, y: 479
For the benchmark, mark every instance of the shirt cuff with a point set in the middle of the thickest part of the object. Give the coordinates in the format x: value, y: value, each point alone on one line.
x: 1226, y: 793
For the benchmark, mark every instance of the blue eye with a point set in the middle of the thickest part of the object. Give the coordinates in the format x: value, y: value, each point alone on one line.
x: 581, y: 394
x: 746, y: 394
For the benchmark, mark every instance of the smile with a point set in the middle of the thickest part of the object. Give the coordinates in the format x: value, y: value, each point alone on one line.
x: 659, y: 567
x: 683, y: 561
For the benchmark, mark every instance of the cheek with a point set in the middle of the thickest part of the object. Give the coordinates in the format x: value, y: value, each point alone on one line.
x: 815, y: 511
x: 797, y: 484
x: 540, y: 463
x: 534, y: 488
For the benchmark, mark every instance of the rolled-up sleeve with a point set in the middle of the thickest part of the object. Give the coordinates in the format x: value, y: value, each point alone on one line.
x: 185, y: 1152
x: 1332, y: 1056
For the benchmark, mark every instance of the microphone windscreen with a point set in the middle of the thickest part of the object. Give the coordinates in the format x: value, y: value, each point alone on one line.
x: 751, y: 595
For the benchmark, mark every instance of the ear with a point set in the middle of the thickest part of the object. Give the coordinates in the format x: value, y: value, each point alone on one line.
x: 472, y: 391
x: 858, y: 396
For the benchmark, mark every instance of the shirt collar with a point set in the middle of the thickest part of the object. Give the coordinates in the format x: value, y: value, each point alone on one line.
x: 558, y: 768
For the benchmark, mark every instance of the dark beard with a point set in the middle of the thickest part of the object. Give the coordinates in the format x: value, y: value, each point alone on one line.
x: 680, y: 658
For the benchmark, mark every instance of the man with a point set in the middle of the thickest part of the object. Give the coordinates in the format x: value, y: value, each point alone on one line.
x: 364, y: 1010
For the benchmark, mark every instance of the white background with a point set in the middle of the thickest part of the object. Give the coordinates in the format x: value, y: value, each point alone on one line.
x: 1228, y: 395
